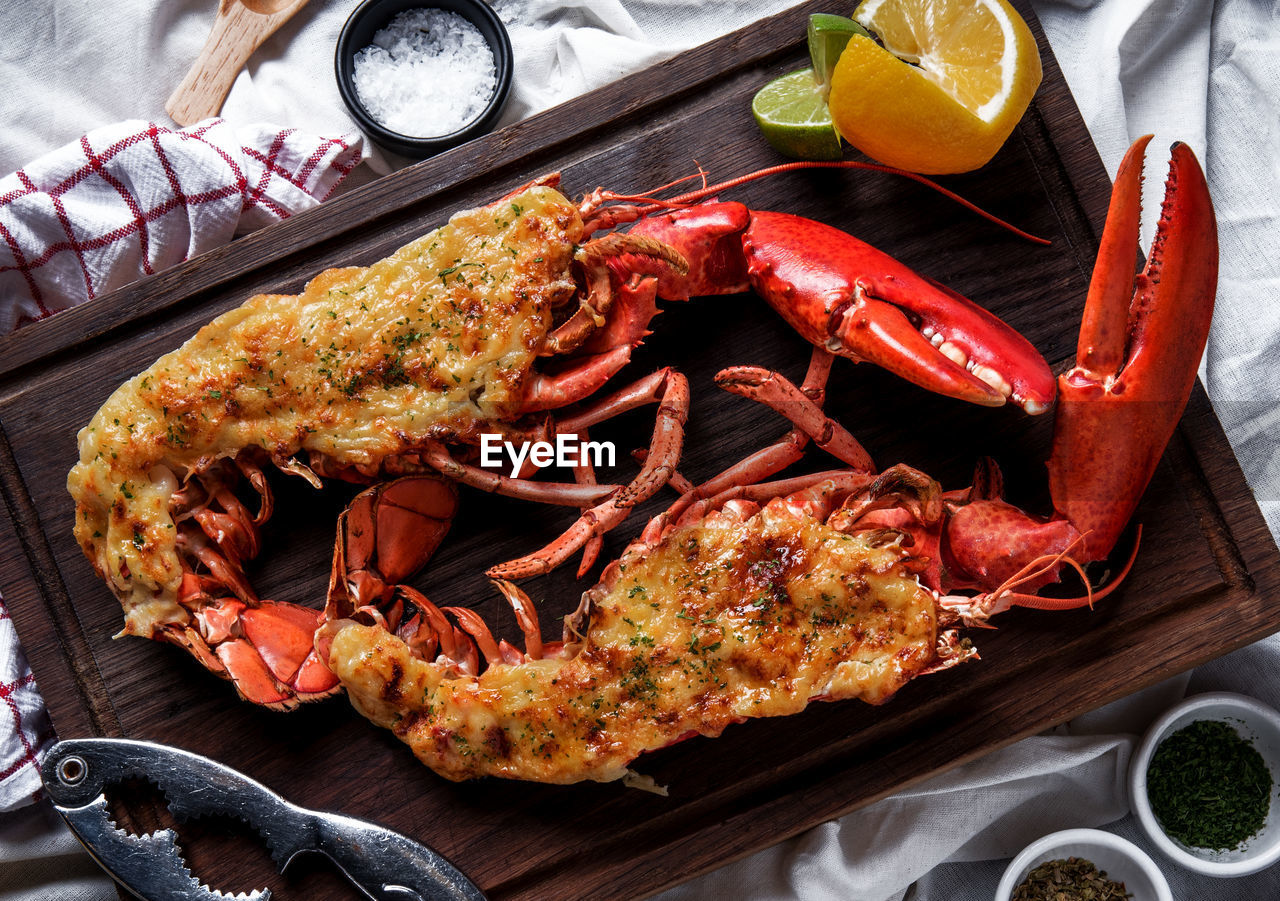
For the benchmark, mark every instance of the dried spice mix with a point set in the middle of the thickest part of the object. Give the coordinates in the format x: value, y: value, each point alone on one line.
x: 1073, y: 879
x: 1208, y: 787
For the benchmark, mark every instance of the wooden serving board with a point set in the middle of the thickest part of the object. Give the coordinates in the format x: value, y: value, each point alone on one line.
x: 1203, y: 584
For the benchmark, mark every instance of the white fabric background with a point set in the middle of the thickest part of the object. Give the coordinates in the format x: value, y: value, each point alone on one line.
x: 1194, y: 70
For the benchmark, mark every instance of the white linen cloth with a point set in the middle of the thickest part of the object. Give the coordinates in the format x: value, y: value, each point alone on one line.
x: 1187, y: 69
x: 25, y: 730
x: 130, y: 199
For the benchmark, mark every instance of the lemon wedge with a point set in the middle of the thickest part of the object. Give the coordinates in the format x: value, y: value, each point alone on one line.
x: 945, y: 90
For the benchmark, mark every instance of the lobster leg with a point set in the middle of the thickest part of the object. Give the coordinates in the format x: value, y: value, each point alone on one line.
x: 386, y: 534
x: 526, y: 616
x: 595, y: 258
x: 664, y: 453
x: 563, y: 493
x: 586, y: 376
x: 803, y: 408
x: 777, y: 393
x: 624, y: 274
x: 585, y: 474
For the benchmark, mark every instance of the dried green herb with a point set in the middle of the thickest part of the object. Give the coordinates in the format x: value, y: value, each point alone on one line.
x: 1209, y: 788
x: 1073, y: 879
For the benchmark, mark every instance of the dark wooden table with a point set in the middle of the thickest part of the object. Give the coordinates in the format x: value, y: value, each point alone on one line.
x: 1203, y: 584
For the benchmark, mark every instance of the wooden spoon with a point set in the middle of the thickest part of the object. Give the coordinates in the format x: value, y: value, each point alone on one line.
x: 239, y: 29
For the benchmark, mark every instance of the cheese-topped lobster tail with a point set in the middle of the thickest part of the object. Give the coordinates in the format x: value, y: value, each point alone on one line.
x: 754, y: 608
x: 478, y: 327
x: 1141, y: 340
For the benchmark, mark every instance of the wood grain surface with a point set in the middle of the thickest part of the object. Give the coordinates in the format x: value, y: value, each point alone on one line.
x: 1203, y: 584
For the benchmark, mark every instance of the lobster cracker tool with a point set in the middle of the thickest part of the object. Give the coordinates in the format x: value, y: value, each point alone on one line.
x: 382, y: 864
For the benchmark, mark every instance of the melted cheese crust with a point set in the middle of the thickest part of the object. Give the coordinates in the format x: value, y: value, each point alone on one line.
x: 434, y: 341
x: 722, y: 621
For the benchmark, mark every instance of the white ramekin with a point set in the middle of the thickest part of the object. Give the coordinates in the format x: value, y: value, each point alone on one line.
x: 1119, y: 858
x: 1251, y: 719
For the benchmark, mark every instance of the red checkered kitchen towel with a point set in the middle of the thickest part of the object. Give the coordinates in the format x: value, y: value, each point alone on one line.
x: 121, y: 203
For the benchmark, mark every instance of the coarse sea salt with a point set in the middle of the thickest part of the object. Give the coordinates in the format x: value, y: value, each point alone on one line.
x: 427, y: 73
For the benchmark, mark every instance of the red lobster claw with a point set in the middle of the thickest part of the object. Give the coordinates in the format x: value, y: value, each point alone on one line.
x: 1141, y: 340
x: 843, y: 294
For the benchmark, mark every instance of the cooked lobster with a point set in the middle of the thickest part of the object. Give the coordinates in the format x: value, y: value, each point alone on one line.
x: 750, y: 598
x: 401, y: 366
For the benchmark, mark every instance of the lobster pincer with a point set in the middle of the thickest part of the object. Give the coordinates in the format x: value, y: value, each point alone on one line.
x: 856, y: 301
x: 1140, y: 343
x: 1141, y: 339
x: 382, y: 864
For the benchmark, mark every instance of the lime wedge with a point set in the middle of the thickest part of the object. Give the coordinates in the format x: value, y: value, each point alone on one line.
x: 828, y: 35
x: 792, y: 113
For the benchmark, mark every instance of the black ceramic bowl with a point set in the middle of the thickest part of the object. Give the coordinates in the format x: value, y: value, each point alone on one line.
x: 373, y: 15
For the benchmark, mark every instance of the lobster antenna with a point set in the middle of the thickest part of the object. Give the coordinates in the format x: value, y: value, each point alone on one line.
x: 681, y: 200
x: 1092, y: 594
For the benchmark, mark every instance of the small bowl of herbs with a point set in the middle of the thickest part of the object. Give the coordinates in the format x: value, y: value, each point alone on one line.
x: 1203, y: 784
x: 1083, y: 865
